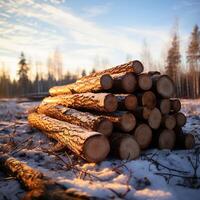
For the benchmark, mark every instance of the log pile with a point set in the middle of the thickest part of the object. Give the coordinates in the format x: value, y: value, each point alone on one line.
x: 119, y: 111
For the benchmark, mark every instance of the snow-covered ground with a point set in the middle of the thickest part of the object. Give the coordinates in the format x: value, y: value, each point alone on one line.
x: 155, y: 175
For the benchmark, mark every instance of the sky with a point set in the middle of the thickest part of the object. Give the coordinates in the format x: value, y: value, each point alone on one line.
x: 91, y: 33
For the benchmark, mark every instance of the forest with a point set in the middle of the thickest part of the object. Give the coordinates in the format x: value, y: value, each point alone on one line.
x: 186, y: 76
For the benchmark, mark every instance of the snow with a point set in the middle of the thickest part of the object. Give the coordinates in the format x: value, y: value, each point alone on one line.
x: 110, y: 179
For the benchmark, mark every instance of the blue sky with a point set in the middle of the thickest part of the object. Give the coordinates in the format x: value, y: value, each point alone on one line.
x: 91, y: 31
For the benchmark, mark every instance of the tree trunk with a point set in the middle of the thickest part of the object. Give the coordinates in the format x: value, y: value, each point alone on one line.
x: 155, y: 118
x: 124, y: 146
x: 40, y: 187
x: 164, y: 105
x: 103, y: 102
x: 124, y: 82
x: 127, y: 102
x: 175, y: 105
x: 143, y: 135
x: 169, y: 121
x: 147, y: 99
x: 180, y: 119
x: 92, y: 146
x: 84, y: 119
x: 125, y: 121
x: 93, y: 84
x: 132, y: 66
x: 144, y: 81
x: 163, y: 85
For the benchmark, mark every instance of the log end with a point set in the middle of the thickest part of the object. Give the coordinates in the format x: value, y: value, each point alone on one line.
x: 129, y: 82
x: 131, y: 102
x: 138, y: 66
x: 165, y: 86
x: 166, y: 139
x: 170, y: 122
x: 110, y: 103
x: 96, y: 148
x: 105, y: 127
x: 128, y: 149
x: 175, y: 105
x: 180, y: 119
x: 128, y: 122
x: 165, y: 106
x: 155, y: 118
x: 145, y: 81
x: 189, y: 141
x: 143, y: 135
x: 149, y: 100
x: 106, y: 81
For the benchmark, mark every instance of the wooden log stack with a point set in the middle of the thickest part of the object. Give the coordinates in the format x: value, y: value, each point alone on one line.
x: 118, y: 111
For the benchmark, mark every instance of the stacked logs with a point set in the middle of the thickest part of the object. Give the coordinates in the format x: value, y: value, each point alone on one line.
x: 120, y: 111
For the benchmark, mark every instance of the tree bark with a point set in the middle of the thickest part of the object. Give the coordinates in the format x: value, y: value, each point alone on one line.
x: 93, y: 84
x: 180, y: 119
x: 164, y: 105
x: 103, y: 102
x: 92, y: 146
x: 163, y: 85
x: 40, y: 187
x: 169, y: 121
x: 132, y: 66
x: 175, y: 105
x: 125, y: 121
x: 124, y: 82
x: 83, y: 119
x: 143, y: 135
x: 144, y: 81
x: 124, y: 146
x: 127, y: 102
x: 147, y: 99
x: 155, y: 118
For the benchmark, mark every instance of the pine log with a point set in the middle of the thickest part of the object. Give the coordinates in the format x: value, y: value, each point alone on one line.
x: 144, y: 81
x: 124, y: 146
x: 167, y: 139
x: 103, y: 102
x: 175, y: 105
x: 94, y: 84
x: 169, y: 121
x: 40, y: 186
x: 125, y: 121
x: 127, y: 102
x: 184, y: 141
x: 83, y: 119
x: 147, y: 99
x: 180, y: 119
x: 163, y: 85
x: 143, y: 135
x: 92, y: 146
x: 164, y: 106
x: 142, y: 113
x: 155, y: 118
x: 152, y: 73
x: 132, y: 66
x: 124, y: 82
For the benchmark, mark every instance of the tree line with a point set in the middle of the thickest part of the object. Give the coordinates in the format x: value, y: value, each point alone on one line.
x: 186, y: 78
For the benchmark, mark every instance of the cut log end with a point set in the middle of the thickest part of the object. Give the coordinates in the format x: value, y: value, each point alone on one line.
x: 165, y: 106
x: 127, y: 122
x: 106, y: 81
x: 170, y: 122
x: 166, y: 139
x: 110, y: 103
x: 138, y: 66
x: 129, y: 82
x: 105, y: 127
x: 144, y: 81
x: 149, y: 100
x: 143, y: 135
x: 189, y: 141
x: 175, y: 105
x: 96, y: 148
x: 180, y: 119
x: 146, y: 113
x: 128, y: 149
x: 131, y: 102
x: 165, y: 86
x: 155, y: 118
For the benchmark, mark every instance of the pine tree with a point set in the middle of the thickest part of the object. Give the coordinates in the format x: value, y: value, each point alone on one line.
x: 23, y: 75
x: 173, y: 62
x: 193, y: 59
